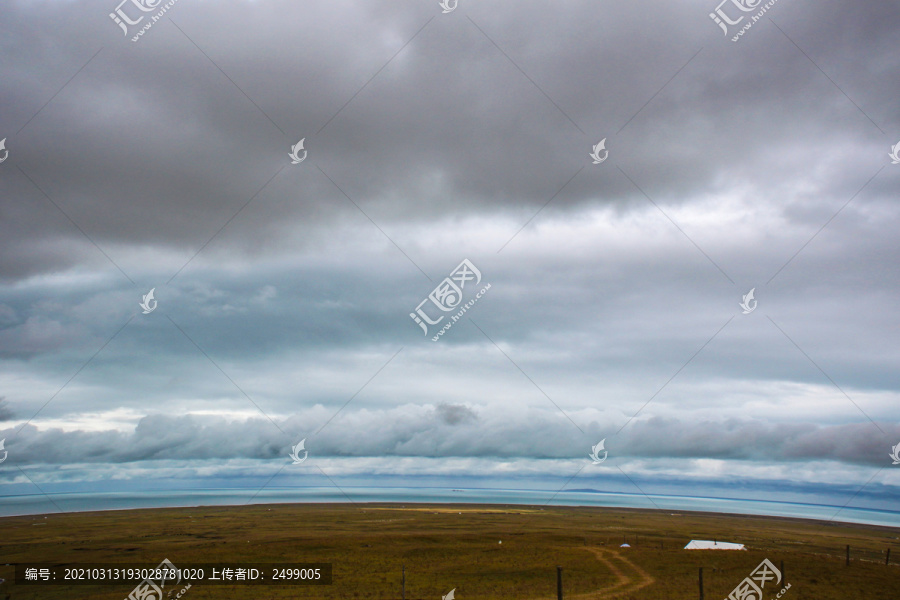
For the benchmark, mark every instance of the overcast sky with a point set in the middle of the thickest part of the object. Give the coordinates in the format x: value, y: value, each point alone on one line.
x: 284, y: 291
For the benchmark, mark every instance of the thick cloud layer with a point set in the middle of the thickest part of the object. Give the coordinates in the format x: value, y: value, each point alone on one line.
x: 452, y: 431
x: 285, y: 290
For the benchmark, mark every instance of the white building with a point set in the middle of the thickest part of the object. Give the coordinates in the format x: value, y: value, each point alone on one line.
x: 714, y: 545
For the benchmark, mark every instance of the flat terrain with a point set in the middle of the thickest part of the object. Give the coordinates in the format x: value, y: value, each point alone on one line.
x: 444, y: 547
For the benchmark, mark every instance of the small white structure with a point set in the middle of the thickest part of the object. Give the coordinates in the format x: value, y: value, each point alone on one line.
x: 713, y: 545
x: 625, y: 546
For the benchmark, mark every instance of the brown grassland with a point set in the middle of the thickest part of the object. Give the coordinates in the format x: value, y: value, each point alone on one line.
x: 448, y: 546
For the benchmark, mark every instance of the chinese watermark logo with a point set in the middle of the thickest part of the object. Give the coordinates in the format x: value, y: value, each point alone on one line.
x: 448, y: 6
x: 895, y: 154
x: 148, y: 303
x: 6, y: 152
x: 895, y: 453
x: 121, y: 19
x: 595, y: 452
x: 746, y: 302
x: 447, y: 297
x: 449, y: 595
x: 722, y: 19
x: 601, y: 145
x: 5, y: 453
x: 296, y: 159
x: 751, y: 587
x: 295, y: 452
x: 152, y: 587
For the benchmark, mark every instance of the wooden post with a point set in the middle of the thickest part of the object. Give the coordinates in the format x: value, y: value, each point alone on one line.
x: 848, y: 555
x: 701, y: 583
x: 887, y: 558
x: 403, y: 583
x: 782, y: 573
x: 559, y: 583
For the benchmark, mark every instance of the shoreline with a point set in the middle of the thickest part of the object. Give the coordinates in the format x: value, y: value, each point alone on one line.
x: 79, y: 502
x: 477, y: 508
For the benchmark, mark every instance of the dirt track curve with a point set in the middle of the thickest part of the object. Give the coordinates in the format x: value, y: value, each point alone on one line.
x: 629, y: 577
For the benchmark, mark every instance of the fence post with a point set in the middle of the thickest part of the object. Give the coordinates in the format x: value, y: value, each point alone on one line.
x: 559, y: 583
x: 887, y: 558
x: 783, y: 578
x: 848, y: 555
x: 701, y: 583
x: 403, y: 583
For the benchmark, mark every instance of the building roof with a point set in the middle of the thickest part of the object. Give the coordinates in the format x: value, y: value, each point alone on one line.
x: 713, y: 545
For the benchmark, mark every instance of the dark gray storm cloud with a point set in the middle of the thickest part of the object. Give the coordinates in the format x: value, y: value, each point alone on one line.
x: 455, y: 431
x: 152, y: 145
x: 284, y: 291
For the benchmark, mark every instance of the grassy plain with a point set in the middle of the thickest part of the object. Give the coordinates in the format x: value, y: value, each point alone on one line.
x: 458, y: 546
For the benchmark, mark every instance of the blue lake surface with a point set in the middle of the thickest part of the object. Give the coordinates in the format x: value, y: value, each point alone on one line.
x: 90, y: 501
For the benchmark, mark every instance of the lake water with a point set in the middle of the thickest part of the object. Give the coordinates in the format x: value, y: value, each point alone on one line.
x: 79, y: 502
